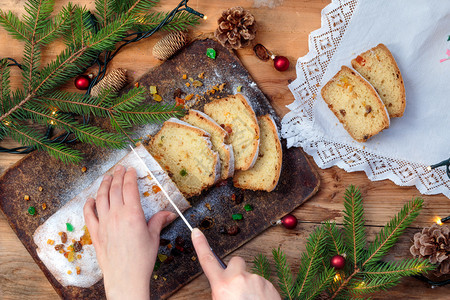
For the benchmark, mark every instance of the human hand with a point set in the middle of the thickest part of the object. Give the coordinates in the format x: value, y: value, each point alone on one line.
x: 126, y: 246
x: 234, y: 282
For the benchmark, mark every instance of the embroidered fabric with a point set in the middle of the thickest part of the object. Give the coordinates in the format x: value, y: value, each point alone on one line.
x: 299, y: 126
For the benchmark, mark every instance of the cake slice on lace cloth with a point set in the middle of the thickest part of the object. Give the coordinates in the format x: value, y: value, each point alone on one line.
x: 356, y: 104
x: 378, y: 67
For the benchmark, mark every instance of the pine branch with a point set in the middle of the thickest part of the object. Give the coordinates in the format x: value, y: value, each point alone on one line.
x: 136, y: 7
x: 85, y: 133
x: 354, y: 236
x: 4, y: 86
x: 285, y: 278
x: 27, y: 136
x: 81, y: 28
x: 105, y: 10
x: 130, y: 100
x: 372, y: 285
x: 147, y: 113
x: 320, y: 283
x: 180, y: 22
x: 58, y: 26
x: 14, y: 26
x: 261, y: 267
x: 402, y: 268
x: 391, y: 232
x: 335, y: 242
x: 311, y: 261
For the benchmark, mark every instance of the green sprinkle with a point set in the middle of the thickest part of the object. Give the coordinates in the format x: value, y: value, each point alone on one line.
x: 211, y: 53
x: 183, y: 172
x: 69, y: 227
x: 248, y: 207
x: 237, y: 217
x: 157, y: 265
x: 239, y: 88
x: 32, y: 210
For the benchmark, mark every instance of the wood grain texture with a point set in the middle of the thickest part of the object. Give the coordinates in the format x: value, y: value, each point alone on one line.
x: 283, y: 30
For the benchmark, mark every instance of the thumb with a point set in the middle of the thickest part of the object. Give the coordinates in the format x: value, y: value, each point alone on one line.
x: 207, y: 260
x: 158, y: 221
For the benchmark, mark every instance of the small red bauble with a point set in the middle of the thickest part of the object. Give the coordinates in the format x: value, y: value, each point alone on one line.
x: 82, y: 82
x: 280, y: 63
x: 337, y: 262
x: 289, y: 221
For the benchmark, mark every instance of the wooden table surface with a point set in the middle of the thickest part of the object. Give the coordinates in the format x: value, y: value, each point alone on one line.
x: 283, y: 29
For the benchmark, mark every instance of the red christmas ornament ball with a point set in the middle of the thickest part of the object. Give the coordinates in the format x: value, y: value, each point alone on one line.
x: 337, y: 262
x: 82, y: 82
x: 281, y: 63
x: 289, y: 221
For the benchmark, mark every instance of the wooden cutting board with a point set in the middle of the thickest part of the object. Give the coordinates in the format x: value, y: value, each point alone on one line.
x: 60, y: 183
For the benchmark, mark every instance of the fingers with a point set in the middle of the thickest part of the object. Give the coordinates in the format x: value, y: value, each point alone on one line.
x: 102, y: 201
x: 236, y: 265
x: 157, y: 222
x: 210, y: 265
x: 115, y: 192
x: 130, y: 189
x: 90, y: 218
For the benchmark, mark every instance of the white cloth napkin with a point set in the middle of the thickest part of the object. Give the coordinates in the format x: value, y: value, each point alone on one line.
x: 416, y: 33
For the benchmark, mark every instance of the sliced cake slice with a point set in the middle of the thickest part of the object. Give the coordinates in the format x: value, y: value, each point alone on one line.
x: 378, y: 67
x: 218, y: 136
x: 185, y: 152
x: 356, y: 104
x: 236, y: 115
x: 264, y: 175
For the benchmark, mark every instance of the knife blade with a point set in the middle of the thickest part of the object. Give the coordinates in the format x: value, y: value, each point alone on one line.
x: 222, y: 264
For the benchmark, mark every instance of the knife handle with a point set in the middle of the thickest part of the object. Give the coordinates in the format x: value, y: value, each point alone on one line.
x: 222, y: 264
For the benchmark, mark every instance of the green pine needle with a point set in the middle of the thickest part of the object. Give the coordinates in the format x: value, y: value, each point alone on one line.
x: 285, y: 278
x: 180, y: 22
x: 311, y: 261
x: 406, y: 267
x: 14, y: 26
x: 355, y: 236
x: 335, y: 242
x: 389, y: 235
x: 261, y: 266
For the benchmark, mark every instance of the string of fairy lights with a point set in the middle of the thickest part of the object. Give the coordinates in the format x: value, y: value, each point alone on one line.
x: 102, y: 65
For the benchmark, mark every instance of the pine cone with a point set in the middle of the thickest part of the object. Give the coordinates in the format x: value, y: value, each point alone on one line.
x: 169, y: 45
x: 237, y: 27
x: 434, y: 243
x: 115, y: 80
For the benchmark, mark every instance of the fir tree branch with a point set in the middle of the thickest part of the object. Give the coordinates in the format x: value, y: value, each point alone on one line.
x: 261, y: 267
x: 130, y: 100
x: 406, y: 267
x: 146, y: 113
x: 105, y: 10
x: 321, y: 283
x: 335, y: 242
x: 391, y: 232
x: 285, y: 278
x: 57, y: 27
x: 354, y: 225
x: 181, y: 21
x: 139, y: 6
x: 311, y: 260
x: 4, y: 85
x: 85, y: 133
x: 27, y: 136
x: 373, y: 285
x: 14, y: 26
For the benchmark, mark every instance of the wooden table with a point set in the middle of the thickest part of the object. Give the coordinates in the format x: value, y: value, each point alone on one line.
x: 283, y: 30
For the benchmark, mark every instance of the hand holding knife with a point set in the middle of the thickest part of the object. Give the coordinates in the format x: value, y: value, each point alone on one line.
x: 222, y: 264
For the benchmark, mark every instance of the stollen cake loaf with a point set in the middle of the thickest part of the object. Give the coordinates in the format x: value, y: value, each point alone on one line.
x: 236, y: 115
x: 378, y: 67
x: 356, y: 104
x: 264, y: 175
x: 75, y: 263
x: 185, y: 152
x: 218, y: 136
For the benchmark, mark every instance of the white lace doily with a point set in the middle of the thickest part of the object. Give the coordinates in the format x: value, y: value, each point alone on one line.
x: 300, y: 129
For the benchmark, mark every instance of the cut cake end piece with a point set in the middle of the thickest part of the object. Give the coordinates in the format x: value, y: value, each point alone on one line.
x: 379, y: 67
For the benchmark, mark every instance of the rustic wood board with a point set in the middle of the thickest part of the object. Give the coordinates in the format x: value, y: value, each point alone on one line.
x: 298, y: 181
